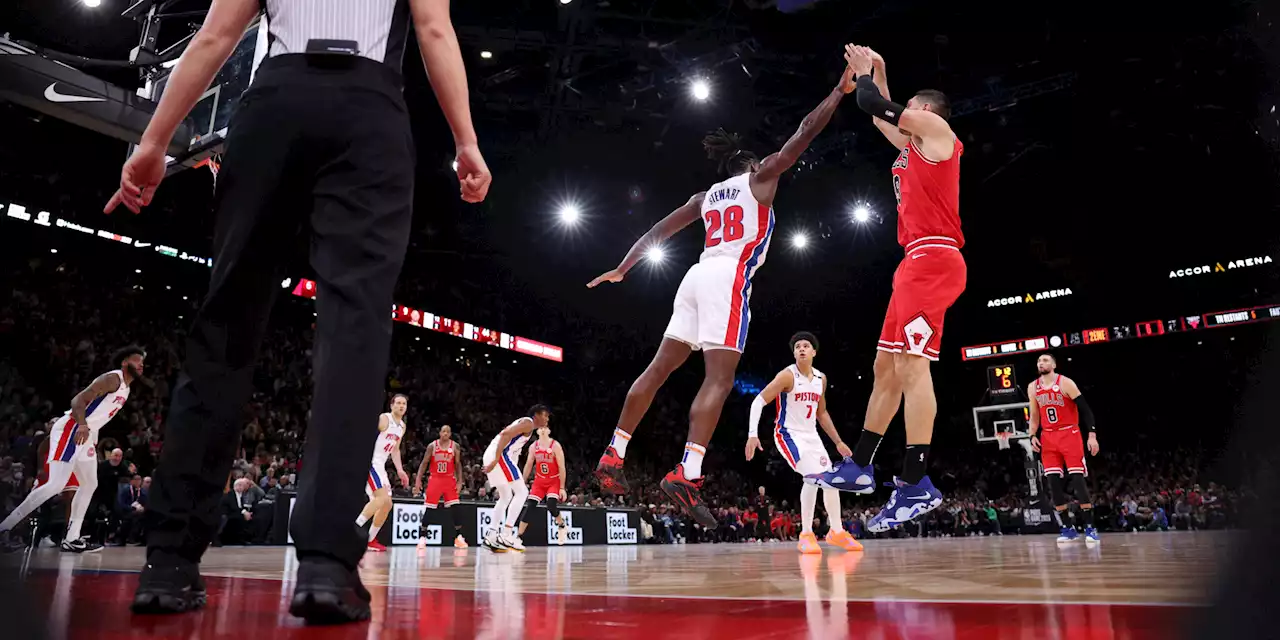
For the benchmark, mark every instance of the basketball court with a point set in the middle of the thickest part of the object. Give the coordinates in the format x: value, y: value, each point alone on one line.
x: 1131, y: 586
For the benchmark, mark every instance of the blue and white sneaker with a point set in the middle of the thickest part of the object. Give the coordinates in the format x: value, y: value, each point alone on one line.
x: 1068, y: 535
x: 846, y: 476
x: 908, y: 502
x: 1091, y: 536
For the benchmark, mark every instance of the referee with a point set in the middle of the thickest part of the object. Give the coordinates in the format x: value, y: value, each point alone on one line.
x: 321, y: 144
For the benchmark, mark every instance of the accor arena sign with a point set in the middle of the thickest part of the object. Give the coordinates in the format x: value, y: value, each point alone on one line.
x: 1027, y: 297
x: 1217, y: 267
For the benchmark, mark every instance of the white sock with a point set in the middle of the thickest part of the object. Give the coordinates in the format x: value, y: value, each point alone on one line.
x: 831, y: 502
x: 361, y: 520
x: 692, y: 461
x: 373, y: 532
x: 499, y: 513
x: 619, y: 442
x: 808, y: 505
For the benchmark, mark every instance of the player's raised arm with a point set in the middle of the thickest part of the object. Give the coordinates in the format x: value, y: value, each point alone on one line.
x: 1086, y: 412
x: 930, y: 127
x: 1033, y: 416
x: 101, y: 386
x: 667, y: 227
x: 829, y: 425
x: 895, y: 136
x: 776, y: 164
x: 781, y: 383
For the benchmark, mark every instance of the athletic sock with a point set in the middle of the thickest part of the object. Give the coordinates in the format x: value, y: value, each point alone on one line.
x: 373, y: 532
x: 808, y: 506
x: 865, y: 450
x: 1064, y: 518
x: 831, y: 502
x: 914, y: 463
x: 692, y: 461
x: 1087, y: 516
x: 361, y: 520
x: 619, y: 442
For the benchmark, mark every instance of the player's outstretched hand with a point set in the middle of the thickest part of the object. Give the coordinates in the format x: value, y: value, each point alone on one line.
x: 612, y: 275
x: 844, y: 450
x: 404, y: 479
x: 1035, y: 444
x: 846, y: 84
x: 417, y: 490
x: 82, y: 436
x: 139, y: 178
x: 1093, y: 444
x: 473, y: 173
x: 877, y: 60
x: 753, y: 445
x: 858, y: 59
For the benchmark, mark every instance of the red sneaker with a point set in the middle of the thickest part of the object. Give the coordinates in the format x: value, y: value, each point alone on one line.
x: 376, y: 547
x: 688, y: 494
x: 609, y: 473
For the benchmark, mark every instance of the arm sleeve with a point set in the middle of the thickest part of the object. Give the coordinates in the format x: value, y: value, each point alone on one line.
x: 1086, y: 414
x: 870, y: 101
x: 757, y: 407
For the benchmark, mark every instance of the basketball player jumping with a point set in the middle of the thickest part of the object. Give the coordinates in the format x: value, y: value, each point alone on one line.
x: 800, y: 390
x: 73, y: 442
x: 546, y: 460
x: 445, y: 459
x: 500, y: 463
x: 926, y: 183
x: 391, y: 429
x: 1058, y: 410
x: 712, y: 304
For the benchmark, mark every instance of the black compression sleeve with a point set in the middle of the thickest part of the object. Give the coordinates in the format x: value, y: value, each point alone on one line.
x: 870, y: 101
x: 1086, y: 414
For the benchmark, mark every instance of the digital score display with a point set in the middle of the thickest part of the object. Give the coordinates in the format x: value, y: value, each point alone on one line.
x: 1001, y: 380
x: 1114, y: 333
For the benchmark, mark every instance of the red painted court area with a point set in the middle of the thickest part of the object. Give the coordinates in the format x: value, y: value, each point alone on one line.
x: 87, y: 604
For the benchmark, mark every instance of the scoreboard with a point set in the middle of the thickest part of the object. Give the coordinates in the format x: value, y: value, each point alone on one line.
x: 1114, y: 333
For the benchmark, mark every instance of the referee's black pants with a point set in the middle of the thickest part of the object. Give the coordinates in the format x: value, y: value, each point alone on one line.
x: 320, y: 147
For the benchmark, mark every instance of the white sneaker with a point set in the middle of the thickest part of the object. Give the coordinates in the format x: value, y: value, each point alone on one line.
x: 422, y: 544
x: 562, y: 535
x: 493, y: 542
x: 512, y: 542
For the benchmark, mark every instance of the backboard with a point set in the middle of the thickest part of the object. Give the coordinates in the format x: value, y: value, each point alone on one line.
x: 1002, y: 418
x: 212, y: 115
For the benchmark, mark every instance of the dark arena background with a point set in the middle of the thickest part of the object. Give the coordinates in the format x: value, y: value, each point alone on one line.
x: 1120, y: 203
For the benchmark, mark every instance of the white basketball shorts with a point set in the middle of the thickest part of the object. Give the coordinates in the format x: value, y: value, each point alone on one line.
x: 803, y: 450
x: 712, y: 306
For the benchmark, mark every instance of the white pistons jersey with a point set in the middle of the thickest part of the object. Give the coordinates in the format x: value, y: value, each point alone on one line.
x: 62, y: 444
x: 798, y: 408
x: 387, y: 441
x: 737, y: 226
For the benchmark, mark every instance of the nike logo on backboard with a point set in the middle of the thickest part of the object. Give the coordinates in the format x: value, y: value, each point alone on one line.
x: 51, y: 94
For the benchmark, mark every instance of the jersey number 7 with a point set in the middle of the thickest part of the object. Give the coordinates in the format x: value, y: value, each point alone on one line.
x: 730, y: 227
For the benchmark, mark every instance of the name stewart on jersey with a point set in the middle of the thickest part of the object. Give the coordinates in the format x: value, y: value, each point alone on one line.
x: 806, y: 396
x: 729, y: 193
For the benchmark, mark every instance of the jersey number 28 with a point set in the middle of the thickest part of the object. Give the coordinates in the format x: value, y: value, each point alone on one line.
x: 729, y: 228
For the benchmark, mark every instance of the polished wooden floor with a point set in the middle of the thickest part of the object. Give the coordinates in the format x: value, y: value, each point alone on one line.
x: 1131, y: 586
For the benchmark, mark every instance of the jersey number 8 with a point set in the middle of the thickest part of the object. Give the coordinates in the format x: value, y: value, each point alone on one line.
x: 442, y: 467
x: 1052, y: 414
x: 544, y: 468
x: 730, y: 228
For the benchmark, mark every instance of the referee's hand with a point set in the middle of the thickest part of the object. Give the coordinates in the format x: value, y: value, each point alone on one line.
x: 139, y: 178
x: 473, y: 173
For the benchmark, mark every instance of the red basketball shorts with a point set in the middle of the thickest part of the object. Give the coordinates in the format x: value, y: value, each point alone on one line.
x: 1062, y: 449
x: 926, y: 284
x: 543, y: 487
x: 441, y: 488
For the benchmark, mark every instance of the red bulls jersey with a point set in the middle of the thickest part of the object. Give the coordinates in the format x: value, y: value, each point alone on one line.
x: 442, y: 460
x: 1057, y: 411
x: 545, y: 464
x: 928, y: 196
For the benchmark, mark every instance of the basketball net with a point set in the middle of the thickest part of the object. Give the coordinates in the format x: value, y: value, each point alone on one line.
x: 214, y: 163
x: 1002, y: 439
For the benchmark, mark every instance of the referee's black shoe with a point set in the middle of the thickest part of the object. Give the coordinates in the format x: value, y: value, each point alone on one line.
x: 327, y: 592
x: 168, y: 584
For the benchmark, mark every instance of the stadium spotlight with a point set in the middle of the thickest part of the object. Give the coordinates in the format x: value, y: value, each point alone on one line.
x: 655, y: 254
x: 486, y: 55
x: 565, y: 1
x: 700, y: 90
x: 570, y: 214
x: 861, y: 214
x: 284, y: 284
x: 137, y: 270
x: 92, y: 4
x: 53, y: 251
x: 799, y: 240
x: 454, y: 165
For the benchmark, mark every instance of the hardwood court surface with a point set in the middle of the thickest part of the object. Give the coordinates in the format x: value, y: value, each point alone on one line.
x: 1131, y: 586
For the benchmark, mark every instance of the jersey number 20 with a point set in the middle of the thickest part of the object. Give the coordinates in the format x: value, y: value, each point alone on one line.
x: 729, y: 228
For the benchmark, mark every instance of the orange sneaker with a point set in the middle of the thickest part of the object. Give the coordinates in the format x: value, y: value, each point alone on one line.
x: 843, y: 540
x: 809, y: 543
x: 459, y: 542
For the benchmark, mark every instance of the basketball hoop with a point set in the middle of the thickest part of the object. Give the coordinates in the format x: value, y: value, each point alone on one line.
x: 214, y: 162
x: 1002, y: 438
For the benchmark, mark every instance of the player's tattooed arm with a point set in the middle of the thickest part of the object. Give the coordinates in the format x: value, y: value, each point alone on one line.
x: 781, y: 383
x: 101, y: 386
x: 422, y: 468
x: 776, y: 164
x: 667, y: 227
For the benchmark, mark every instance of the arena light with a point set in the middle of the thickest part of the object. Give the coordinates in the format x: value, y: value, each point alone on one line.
x: 570, y: 214
x: 655, y: 254
x: 454, y: 165
x: 284, y: 284
x: 799, y: 240
x: 700, y: 90
x: 565, y: 1
x: 861, y: 214
x: 486, y: 55
x: 92, y: 4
